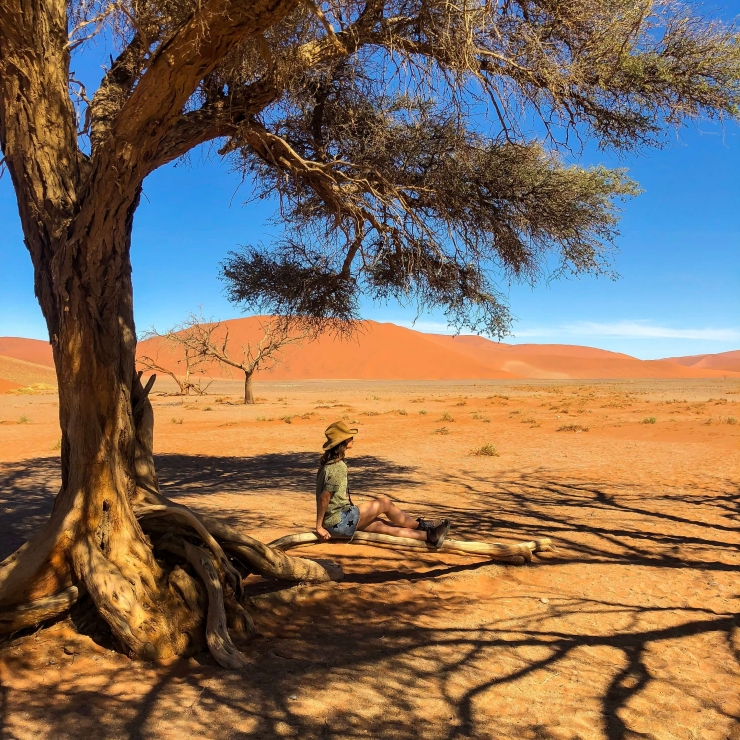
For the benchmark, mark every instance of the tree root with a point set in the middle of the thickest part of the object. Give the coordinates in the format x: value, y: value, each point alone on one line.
x: 217, y: 632
x: 183, y: 514
x: 516, y: 554
x: 35, y: 612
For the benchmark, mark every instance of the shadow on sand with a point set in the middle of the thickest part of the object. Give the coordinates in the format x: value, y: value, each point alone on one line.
x: 395, y: 649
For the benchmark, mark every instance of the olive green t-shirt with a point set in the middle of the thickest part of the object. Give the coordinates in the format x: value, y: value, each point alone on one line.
x: 333, y: 478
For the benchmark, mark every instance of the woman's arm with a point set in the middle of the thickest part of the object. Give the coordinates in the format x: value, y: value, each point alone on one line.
x: 322, y: 502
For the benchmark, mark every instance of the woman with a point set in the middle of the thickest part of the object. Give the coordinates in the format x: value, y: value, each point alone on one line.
x: 336, y: 515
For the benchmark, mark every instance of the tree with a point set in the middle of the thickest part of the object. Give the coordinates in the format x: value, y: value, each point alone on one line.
x: 179, y: 340
x: 210, y: 341
x: 400, y: 138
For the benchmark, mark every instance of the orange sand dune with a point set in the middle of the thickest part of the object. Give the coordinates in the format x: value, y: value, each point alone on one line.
x: 28, y: 350
x: 7, y: 385
x: 22, y: 373
x: 720, y: 361
x: 390, y: 352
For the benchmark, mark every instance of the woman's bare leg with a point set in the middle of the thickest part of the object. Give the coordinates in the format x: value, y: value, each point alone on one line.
x: 371, y: 510
x: 381, y: 527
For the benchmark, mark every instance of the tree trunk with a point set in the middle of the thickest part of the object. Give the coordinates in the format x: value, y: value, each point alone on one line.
x: 248, y: 393
x: 93, y: 537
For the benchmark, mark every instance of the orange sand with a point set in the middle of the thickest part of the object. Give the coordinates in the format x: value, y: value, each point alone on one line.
x: 632, y: 631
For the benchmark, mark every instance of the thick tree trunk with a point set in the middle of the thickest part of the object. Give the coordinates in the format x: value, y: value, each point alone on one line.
x: 248, y: 392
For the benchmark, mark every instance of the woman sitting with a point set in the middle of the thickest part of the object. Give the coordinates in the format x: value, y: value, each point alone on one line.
x: 337, y: 516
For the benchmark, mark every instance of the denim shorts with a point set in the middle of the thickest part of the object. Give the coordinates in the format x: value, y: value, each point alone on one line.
x: 347, y: 525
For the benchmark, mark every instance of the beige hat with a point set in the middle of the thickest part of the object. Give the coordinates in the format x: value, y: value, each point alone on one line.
x: 337, y: 433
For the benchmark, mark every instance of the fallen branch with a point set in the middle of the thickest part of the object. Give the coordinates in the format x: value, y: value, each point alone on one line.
x: 516, y: 554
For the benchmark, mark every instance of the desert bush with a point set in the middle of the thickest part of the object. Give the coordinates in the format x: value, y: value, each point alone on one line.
x: 485, y: 451
x: 648, y: 420
x: 729, y: 420
x: 287, y: 419
x: 422, y: 412
x: 462, y: 403
x: 572, y: 428
x: 176, y: 420
x: 371, y: 413
x: 515, y: 412
x: 402, y: 412
x: 441, y: 430
x: 531, y: 421
x: 446, y: 417
x: 24, y: 420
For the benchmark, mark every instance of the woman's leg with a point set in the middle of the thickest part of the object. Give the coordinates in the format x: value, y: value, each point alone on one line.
x: 404, y: 524
x: 371, y: 510
x: 382, y: 527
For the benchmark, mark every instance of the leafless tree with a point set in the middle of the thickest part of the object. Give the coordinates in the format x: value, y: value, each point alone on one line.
x: 179, y: 341
x: 400, y: 137
x: 210, y: 341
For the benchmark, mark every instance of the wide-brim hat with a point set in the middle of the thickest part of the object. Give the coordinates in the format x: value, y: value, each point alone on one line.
x: 337, y: 433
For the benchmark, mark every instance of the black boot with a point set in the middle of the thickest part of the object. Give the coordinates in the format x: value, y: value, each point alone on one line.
x: 425, y: 525
x: 436, y: 535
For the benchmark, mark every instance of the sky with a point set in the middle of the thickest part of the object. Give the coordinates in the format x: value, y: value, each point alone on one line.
x: 678, y: 260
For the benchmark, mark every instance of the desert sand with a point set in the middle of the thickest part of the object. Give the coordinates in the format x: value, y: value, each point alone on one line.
x: 631, y: 631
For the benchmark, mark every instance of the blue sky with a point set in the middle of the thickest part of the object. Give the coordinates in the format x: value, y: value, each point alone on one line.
x: 679, y: 259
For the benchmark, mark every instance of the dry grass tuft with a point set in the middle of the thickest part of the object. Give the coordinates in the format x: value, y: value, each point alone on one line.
x: 572, y: 428
x: 441, y: 430
x: 485, y: 451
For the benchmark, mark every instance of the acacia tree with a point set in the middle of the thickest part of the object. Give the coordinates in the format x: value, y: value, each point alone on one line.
x: 210, y: 341
x: 401, y: 139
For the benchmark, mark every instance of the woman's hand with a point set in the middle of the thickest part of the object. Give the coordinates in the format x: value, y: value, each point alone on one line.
x: 322, y: 533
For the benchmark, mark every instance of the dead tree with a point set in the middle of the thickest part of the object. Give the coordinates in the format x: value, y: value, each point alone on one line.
x: 179, y: 340
x: 210, y: 341
x: 400, y: 189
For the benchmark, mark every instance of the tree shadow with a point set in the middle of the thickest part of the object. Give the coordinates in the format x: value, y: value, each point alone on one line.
x: 418, y: 654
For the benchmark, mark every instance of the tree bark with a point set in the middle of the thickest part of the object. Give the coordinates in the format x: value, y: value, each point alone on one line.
x: 248, y: 392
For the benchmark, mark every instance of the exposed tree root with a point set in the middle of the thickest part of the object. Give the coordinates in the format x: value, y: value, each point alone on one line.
x: 217, y: 631
x: 516, y: 554
x: 35, y: 612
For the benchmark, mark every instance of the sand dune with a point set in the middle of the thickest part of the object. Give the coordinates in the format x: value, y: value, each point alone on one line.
x: 721, y: 361
x: 29, y: 350
x: 22, y: 373
x: 390, y: 352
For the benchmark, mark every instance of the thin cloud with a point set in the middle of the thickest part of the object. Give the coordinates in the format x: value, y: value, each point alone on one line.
x: 631, y: 330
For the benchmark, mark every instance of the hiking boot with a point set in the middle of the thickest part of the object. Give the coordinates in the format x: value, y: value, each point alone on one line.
x: 436, y: 536
x: 425, y: 525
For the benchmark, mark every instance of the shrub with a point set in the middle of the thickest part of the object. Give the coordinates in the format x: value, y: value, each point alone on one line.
x: 531, y: 421
x: 446, y: 417
x: 729, y: 420
x: 461, y: 403
x: 648, y: 420
x: 24, y: 420
x: 422, y: 412
x: 176, y: 420
x: 441, y: 430
x: 485, y: 451
x: 402, y: 412
x: 287, y: 419
x: 371, y: 413
x: 572, y: 428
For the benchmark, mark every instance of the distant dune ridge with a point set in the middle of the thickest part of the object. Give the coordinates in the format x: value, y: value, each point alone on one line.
x: 390, y: 352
